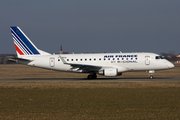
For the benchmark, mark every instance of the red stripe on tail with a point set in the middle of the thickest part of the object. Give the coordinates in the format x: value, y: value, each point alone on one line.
x: 18, y: 50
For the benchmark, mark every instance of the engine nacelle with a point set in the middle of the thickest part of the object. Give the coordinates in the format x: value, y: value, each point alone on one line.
x: 109, y: 72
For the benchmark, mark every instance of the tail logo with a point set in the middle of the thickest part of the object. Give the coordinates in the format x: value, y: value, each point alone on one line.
x: 22, y: 43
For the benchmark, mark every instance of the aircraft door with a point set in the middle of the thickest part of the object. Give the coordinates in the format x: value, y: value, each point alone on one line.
x: 147, y: 60
x: 52, y: 62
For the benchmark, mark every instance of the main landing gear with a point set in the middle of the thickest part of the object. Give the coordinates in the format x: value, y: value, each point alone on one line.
x: 92, y: 75
x: 151, y: 74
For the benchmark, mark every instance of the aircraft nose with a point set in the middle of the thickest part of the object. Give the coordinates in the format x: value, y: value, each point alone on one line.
x: 170, y: 65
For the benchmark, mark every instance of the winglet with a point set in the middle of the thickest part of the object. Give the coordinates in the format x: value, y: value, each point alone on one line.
x: 63, y: 60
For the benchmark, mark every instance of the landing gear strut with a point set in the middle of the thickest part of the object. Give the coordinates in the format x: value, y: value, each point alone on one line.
x: 151, y: 74
x: 92, y: 75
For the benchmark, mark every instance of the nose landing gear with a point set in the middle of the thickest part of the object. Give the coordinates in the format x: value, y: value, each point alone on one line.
x: 151, y: 74
x: 151, y: 77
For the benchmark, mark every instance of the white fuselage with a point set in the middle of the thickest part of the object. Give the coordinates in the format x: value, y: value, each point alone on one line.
x: 123, y: 62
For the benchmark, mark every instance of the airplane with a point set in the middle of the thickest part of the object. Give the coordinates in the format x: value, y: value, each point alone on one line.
x: 107, y: 64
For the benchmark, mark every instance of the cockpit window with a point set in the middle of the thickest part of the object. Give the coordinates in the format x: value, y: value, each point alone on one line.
x: 159, y: 57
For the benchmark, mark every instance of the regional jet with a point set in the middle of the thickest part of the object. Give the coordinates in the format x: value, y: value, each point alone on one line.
x: 107, y: 64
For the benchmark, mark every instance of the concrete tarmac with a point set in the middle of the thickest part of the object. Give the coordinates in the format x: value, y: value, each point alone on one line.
x: 98, y: 79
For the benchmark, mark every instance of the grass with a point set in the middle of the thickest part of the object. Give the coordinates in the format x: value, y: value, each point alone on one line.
x: 89, y: 103
x: 81, y: 100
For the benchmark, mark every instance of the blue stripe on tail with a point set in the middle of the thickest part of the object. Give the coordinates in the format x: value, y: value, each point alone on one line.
x: 20, y: 44
x: 23, y: 40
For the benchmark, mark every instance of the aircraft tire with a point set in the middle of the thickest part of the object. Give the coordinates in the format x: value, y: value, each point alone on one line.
x: 151, y: 77
x: 92, y: 76
x: 89, y: 77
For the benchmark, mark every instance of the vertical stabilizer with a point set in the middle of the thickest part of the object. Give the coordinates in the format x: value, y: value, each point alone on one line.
x: 23, y: 44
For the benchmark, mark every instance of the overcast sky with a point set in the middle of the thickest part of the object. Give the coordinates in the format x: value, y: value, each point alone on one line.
x: 93, y: 25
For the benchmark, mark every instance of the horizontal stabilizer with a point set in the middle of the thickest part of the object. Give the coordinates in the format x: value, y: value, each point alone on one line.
x: 15, y: 59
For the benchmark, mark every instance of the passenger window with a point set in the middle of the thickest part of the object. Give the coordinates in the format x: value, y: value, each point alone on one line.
x: 117, y: 58
x: 113, y: 58
x: 126, y: 58
x: 122, y: 58
x: 104, y: 58
x: 131, y: 58
x: 94, y: 59
x: 108, y: 58
x: 136, y: 58
x: 71, y: 59
x: 99, y: 58
x: 81, y: 59
x: 67, y: 59
x: 76, y: 59
x: 85, y: 59
x: 89, y: 59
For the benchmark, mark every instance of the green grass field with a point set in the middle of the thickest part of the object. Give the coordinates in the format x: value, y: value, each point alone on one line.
x: 68, y: 102
x: 81, y: 100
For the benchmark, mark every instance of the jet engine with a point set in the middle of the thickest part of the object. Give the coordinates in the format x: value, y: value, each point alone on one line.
x: 109, y: 72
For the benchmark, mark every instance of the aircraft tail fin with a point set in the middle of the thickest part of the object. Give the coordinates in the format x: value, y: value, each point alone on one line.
x: 23, y: 44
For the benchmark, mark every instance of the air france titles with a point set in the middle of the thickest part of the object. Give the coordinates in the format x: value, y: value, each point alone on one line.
x: 124, y: 58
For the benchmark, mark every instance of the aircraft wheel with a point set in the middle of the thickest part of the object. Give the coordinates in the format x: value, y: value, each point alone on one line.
x: 89, y: 77
x: 151, y: 77
x: 92, y: 76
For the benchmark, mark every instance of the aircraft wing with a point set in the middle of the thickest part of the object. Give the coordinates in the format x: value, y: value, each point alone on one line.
x: 81, y: 66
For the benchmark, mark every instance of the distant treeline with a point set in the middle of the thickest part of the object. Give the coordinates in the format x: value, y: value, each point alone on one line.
x: 4, y: 58
x: 169, y: 56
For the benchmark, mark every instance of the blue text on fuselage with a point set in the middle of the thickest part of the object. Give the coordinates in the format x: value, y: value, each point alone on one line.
x: 112, y: 56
